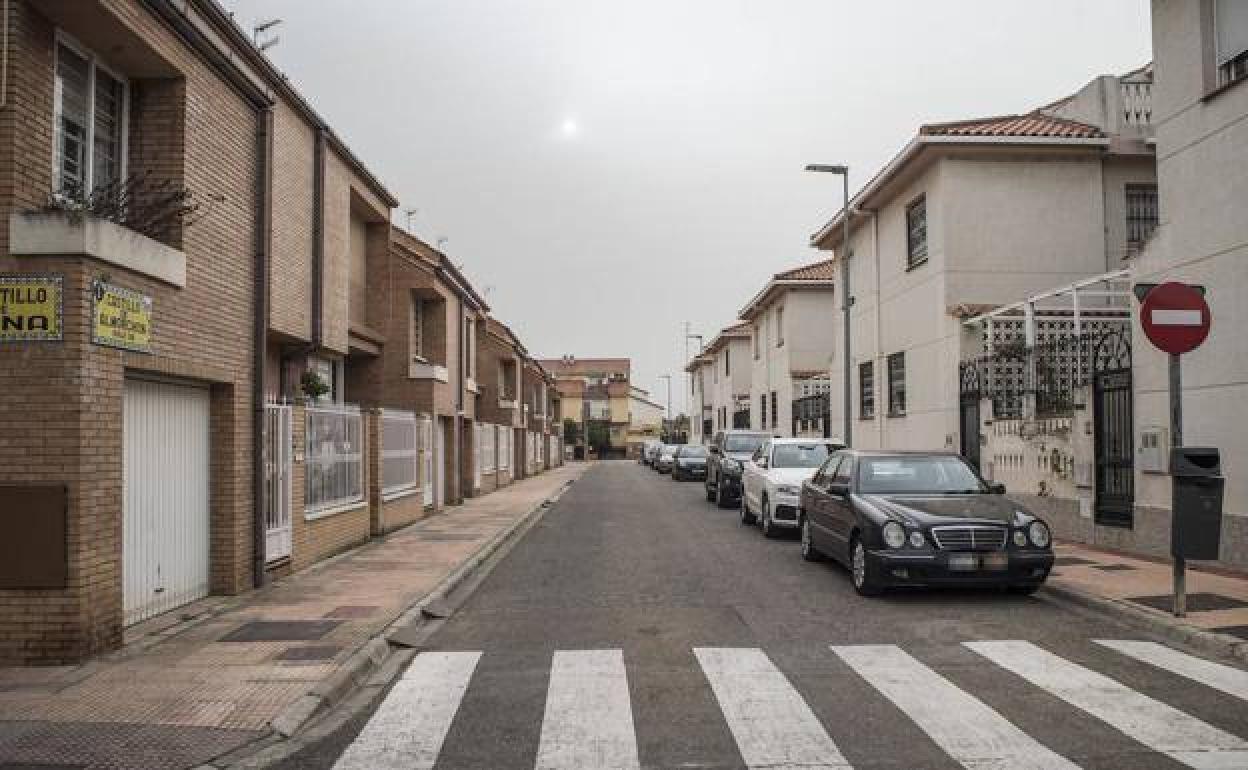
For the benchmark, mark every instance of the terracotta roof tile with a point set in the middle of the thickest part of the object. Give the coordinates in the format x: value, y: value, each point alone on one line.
x: 1034, y: 124
x: 818, y: 271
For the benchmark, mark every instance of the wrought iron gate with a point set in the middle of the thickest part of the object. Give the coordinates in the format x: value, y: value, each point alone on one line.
x: 1113, y: 429
x: 277, y: 480
x: 969, y: 375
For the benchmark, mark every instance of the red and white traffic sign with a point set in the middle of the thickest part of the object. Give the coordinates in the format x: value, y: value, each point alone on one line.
x: 1175, y: 317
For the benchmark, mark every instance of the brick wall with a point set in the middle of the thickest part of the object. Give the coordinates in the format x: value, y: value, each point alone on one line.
x: 290, y: 267
x: 322, y: 535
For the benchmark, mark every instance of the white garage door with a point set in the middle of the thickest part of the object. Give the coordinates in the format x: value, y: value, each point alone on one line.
x: 166, y: 513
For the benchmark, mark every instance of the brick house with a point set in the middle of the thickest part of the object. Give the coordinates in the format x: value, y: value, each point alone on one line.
x: 500, y: 360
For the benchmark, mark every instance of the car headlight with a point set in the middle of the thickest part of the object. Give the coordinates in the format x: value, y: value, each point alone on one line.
x: 1038, y: 532
x: 894, y: 535
x: 1020, y: 538
x: 916, y: 539
x: 787, y: 489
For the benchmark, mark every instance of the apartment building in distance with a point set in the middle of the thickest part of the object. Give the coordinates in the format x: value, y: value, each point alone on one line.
x: 971, y: 215
x: 601, y: 385
x: 645, y: 417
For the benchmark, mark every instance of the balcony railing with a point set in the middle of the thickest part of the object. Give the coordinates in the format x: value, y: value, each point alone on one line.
x: 1137, y: 103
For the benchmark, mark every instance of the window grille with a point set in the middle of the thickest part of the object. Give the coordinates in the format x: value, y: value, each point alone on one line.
x: 897, y: 384
x: 916, y: 232
x: 89, y: 122
x: 399, y: 452
x: 335, y: 458
x: 866, y: 389
x: 1142, y: 214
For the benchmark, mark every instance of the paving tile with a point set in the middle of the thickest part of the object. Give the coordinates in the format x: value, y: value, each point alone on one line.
x: 281, y: 631
x: 93, y: 746
x: 1197, y: 602
x: 352, y: 611
x: 1240, y: 631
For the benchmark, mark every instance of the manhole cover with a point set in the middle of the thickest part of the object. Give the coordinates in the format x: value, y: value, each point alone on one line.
x: 1198, y: 602
x: 310, y: 652
x: 350, y: 611
x: 281, y: 631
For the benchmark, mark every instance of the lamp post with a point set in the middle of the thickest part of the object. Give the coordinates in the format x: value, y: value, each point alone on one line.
x: 846, y: 299
x: 701, y: 380
x: 668, y: 377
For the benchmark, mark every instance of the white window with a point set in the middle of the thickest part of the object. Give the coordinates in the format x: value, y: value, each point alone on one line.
x: 504, y: 448
x: 487, y: 432
x: 780, y: 327
x: 416, y: 330
x: 399, y: 451
x: 1230, y: 25
x: 89, y: 122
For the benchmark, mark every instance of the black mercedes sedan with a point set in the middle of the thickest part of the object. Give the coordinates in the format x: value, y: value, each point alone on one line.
x: 689, y: 462
x: 920, y: 519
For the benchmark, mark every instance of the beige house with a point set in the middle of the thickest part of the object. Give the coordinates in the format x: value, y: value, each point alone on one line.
x: 975, y: 214
x: 1200, y: 108
x: 793, y: 331
x: 722, y: 379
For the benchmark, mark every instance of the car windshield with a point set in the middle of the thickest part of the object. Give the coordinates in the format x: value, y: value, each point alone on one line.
x: 743, y: 443
x: 693, y: 451
x: 936, y: 474
x: 799, y: 455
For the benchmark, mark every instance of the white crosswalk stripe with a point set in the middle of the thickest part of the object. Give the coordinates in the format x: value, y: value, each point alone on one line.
x: 588, y: 721
x: 408, y: 729
x: 589, y: 717
x: 1152, y: 723
x: 969, y: 732
x: 1231, y: 681
x: 771, y: 722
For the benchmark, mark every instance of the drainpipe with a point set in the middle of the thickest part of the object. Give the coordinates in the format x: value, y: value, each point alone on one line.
x: 4, y: 57
x: 264, y: 231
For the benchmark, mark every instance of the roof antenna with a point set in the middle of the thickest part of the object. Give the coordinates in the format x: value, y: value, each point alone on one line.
x: 258, y: 30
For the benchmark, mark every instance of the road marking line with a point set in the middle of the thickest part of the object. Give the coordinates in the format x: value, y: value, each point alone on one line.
x: 771, y: 722
x: 1151, y: 722
x: 408, y: 729
x: 1232, y: 681
x: 589, y: 715
x: 970, y: 732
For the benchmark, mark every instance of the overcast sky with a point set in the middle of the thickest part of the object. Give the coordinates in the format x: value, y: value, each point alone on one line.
x: 608, y: 169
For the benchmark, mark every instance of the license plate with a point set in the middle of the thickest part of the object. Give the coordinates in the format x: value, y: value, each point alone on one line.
x: 963, y: 562
x: 996, y: 562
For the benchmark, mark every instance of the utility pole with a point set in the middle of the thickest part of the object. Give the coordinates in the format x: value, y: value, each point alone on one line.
x: 846, y: 301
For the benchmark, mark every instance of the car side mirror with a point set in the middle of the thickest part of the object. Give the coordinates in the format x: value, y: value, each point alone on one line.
x: 838, y: 489
x: 996, y: 488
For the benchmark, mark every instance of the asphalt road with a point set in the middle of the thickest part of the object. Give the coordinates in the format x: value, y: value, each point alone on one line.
x: 725, y: 649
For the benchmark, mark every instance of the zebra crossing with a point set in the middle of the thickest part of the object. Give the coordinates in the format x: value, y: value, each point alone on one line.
x: 588, y: 719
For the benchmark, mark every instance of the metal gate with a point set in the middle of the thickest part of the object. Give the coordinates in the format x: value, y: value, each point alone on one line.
x: 1113, y: 429
x: 165, y: 509
x: 968, y: 411
x: 424, y: 433
x: 278, y: 445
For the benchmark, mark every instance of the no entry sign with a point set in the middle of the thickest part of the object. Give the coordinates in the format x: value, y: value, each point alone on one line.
x: 1175, y: 317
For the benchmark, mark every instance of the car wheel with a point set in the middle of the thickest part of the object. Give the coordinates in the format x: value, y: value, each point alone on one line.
x: 865, y: 581
x: 675, y: 475
x: 721, y: 497
x: 809, y: 552
x: 710, y: 492
x: 747, y: 518
x: 769, y: 528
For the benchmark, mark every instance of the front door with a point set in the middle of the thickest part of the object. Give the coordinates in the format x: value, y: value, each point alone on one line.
x: 277, y: 480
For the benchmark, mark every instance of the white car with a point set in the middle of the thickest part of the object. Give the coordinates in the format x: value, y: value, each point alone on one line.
x: 771, y: 481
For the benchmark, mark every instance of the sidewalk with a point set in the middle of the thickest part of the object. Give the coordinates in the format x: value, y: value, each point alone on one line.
x: 183, y: 691
x: 1216, y: 601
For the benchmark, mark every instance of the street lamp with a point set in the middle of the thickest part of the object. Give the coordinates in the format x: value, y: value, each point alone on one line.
x: 843, y: 172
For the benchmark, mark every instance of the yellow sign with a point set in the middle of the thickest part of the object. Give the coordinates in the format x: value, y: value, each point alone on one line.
x: 121, y: 318
x: 30, y: 307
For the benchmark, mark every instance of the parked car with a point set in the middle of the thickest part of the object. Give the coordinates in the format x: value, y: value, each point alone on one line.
x: 729, y: 451
x: 918, y: 519
x: 690, y: 462
x: 771, y: 481
x: 649, y: 451
x: 667, y: 453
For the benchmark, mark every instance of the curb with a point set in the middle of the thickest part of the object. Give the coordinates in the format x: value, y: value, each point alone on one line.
x: 1202, y: 639
x: 357, y: 670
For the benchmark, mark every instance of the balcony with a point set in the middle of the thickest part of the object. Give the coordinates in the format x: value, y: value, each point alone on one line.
x: 1137, y: 103
x: 66, y: 234
x: 424, y: 370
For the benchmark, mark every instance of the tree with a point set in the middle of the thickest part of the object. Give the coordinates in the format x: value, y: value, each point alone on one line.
x: 571, y: 432
x: 600, y: 436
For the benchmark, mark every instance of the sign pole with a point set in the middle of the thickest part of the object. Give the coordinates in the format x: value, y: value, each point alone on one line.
x: 1176, y: 439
